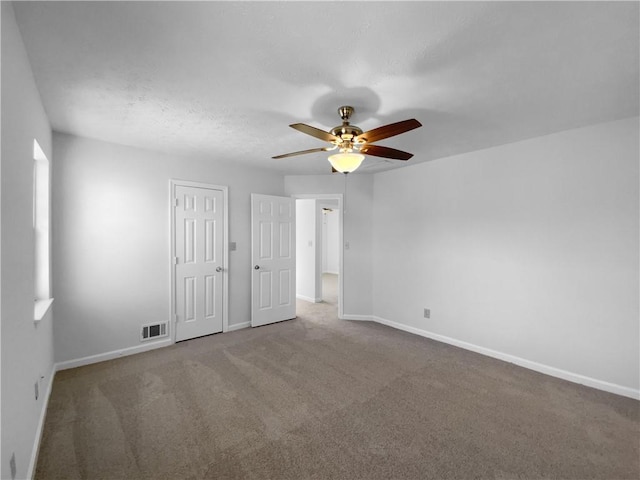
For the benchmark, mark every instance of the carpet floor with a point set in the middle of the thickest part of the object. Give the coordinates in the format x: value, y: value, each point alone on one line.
x: 322, y: 398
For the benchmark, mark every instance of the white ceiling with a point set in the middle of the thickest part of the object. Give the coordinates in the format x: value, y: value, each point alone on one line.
x: 225, y: 79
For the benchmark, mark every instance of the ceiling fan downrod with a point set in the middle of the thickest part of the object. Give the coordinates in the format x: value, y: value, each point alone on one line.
x: 345, y: 113
x: 346, y: 133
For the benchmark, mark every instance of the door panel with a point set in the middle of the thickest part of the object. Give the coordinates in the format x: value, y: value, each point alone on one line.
x: 265, y: 289
x: 285, y: 287
x: 189, y: 299
x: 199, y: 244
x: 209, y: 241
x: 273, y: 259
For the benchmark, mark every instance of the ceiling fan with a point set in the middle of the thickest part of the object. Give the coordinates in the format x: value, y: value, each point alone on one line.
x: 352, y: 142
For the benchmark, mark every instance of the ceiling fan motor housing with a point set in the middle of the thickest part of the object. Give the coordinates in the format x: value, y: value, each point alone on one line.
x: 346, y: 132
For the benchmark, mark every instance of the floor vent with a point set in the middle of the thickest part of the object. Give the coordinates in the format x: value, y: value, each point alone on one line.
x: 153, y: 330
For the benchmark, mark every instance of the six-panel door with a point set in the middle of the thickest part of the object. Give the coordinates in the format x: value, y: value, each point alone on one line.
x: 199, y: 238
x: 273, y: 259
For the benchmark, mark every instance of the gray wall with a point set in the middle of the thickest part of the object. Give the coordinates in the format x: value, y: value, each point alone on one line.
x: 331, y: 241
x: 111, y: 242
x: 308, y: 239
x: 528, y: 249
x: 27, y: 347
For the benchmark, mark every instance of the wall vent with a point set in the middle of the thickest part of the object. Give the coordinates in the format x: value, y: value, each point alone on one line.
x: 153, y: 330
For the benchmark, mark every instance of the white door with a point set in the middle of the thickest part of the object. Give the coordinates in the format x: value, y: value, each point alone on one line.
x: 198, y: 261
x: 273, y: 283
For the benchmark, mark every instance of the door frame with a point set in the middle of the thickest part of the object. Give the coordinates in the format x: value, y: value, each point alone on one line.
x: 173, y: 183
x: 339, y: 197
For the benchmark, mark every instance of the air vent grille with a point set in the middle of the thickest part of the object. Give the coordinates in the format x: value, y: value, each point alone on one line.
x: 153, y: 330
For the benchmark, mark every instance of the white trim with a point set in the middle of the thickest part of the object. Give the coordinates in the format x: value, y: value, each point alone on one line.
x: 172, y: 259
x: 531, y: 365
x: 40, y: 308
x: 35, y: 451
x: 225, y: 261
x: 101, y: 357
x: 308, y: 299
x: 365, y: 318
x: 225, y: 250
x: 238, y: 326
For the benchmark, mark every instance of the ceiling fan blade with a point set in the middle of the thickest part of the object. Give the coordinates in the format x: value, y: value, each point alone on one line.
x: 387, y: 131
x: 315, y: 132
x: 302, y: 152
x: 386, y: 152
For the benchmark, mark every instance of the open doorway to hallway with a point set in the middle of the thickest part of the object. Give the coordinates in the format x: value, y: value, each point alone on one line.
x: 319, y: 250
x: 330, y: 251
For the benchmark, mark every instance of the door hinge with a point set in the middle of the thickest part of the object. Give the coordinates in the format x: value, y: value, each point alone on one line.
x: 175, y: 202
x: 175, y: 317
x: 175, y: 260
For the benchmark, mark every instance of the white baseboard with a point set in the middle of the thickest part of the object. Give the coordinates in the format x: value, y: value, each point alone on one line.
x: 238, y: 326
x: 308, y: 299
x: 538, y: 367
x: 349, y: 316
x: 33, y: 461
x: 101, y: 357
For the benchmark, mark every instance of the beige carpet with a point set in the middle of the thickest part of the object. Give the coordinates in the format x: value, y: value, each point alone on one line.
x: 319, y: 398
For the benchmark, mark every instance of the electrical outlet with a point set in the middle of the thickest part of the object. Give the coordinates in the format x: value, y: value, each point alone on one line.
x: 12, y: 466
x: 37, y: 388
x: 427, y: 313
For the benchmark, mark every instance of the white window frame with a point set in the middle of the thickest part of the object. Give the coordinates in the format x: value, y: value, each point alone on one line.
x: 41, y: 233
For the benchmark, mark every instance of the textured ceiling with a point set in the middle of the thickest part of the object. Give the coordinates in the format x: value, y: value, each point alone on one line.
x: 225, y: 79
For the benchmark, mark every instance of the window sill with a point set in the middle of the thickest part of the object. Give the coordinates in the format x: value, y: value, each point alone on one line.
x: 41, y: 307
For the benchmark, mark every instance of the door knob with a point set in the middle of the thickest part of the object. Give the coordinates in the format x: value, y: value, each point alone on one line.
x: 257, y: 267
x: 218, y: 269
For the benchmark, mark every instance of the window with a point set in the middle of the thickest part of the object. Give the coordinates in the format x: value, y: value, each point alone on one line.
x: 42, y: 232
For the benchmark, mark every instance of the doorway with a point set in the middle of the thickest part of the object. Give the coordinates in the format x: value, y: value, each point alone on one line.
x: 330, y: 246
x: 319, y: 243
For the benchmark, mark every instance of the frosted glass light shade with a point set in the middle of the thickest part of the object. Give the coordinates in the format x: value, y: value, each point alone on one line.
x: 346, y: 162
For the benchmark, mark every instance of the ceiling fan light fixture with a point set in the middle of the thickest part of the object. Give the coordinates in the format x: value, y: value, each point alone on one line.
x: 346, y: 162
